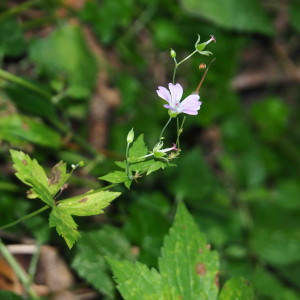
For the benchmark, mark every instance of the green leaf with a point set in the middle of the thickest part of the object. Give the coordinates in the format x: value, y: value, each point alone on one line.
x: 31, y: 173
x: 115, y: 177
x: 277, y: 245
x: 188, y: 269
x: 17, y: 129
x: 29, y: 102
x: 187, y: 265
x: 137, y: 282
x: 240, y: 15
x: 91, y: 203
x: 158, y: 165
x: 65, y: 225
x: 65, y: 53
x: 89, y: 261
x: 6, y: 295
x: 237, y: 288
x: 137, y: 150
x: 58, y: 178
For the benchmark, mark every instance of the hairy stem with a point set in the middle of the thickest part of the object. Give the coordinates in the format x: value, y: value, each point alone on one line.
x: 25, y: 280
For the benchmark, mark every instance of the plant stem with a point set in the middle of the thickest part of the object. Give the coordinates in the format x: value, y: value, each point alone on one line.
x: 177, y: 142
x: 179, y: 132
x: 127, y: 163
x: 177, y: 64
x: 34, y: 262
x: 17, y: 10
x: 165, y: 128
x: 187, y: 57
x: 10, y: 77
x: 25, y: 217
x: 18, y: 270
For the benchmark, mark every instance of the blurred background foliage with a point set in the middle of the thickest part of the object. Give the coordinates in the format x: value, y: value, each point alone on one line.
x: 91, y: 69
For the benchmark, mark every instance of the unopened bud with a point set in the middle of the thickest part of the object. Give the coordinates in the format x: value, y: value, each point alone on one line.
x: 130, y: 136
x: 172, y: 53
x: 202, y: 66
x: 81, y: 163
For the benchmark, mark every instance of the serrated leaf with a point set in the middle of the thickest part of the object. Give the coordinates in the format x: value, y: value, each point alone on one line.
x: 89, y: 261
x: 65, y: 225
x: 237, y: 288
x: 91, y: 203
x: 19, y: 129
x: 137, y: 282
x: 187, y: 265
x: 241, y: 15
x: 32, y: 174
x: 188, y: 269
x: 115, y: 177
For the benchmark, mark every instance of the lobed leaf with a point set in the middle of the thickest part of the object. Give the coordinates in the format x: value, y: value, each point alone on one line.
x: 91, y: 203
x: 65, y: 225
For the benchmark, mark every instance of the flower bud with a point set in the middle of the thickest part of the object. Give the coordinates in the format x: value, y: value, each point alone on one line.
x: 81, y: 163
x: 202, y: 66
x: 172, y: 114
x: 172, y: 53
x: 130, y: 136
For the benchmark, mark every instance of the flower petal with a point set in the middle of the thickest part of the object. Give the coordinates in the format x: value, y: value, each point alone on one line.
x: 176, y: 92
x: 190, y: 112
x: 189, y: 100
x: 163, y: 93
x: 168, y: 106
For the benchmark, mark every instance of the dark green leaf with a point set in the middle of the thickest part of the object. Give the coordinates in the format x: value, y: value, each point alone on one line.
x: 89, y: 260
x: 17, y: 129
x: 12, y: 42
x: 240, y: 15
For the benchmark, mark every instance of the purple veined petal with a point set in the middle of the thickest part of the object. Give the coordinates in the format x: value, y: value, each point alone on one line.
x: 169, y: 107
x: 189, y: 99
x: 176, y: 92
x: 163, y: 93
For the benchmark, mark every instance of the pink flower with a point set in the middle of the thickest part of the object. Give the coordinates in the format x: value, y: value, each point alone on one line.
x: 190, y: 105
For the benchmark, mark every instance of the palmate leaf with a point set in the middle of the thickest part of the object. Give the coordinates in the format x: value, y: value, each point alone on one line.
x: 188, y: 269
x: 91, y: 203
